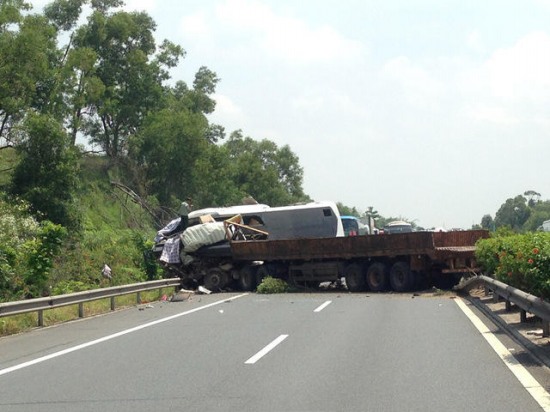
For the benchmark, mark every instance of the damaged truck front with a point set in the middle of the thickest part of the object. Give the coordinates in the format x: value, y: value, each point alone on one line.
x: 202, y: 255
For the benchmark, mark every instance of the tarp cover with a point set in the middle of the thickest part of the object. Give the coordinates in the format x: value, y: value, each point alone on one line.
x: 171, y: 251
x: 200, y: 235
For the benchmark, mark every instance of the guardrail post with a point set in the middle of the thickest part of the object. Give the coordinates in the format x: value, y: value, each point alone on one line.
x: 138, y: 298
x: 545, y: 329
x: 40, y: 318
x: 508, y: 306
x: 81, y: 310
x: 496, y: 297
x: 112, y: 303
x: 523, y: 316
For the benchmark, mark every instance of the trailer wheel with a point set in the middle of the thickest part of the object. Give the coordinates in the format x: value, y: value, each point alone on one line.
x: 377, y: 277
x: 247, y: 278
x: 355, y: 277
x: 401, y: 277
x: 262, y: 272
x: 215, y: 279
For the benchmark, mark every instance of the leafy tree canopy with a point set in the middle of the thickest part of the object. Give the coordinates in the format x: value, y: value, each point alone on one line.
x: 46, y: 175
x: 522, y: 213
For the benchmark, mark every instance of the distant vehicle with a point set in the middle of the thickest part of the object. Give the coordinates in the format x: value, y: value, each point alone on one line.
x: 363, y: 229
x: 398, y: 226
x: 351, y: 225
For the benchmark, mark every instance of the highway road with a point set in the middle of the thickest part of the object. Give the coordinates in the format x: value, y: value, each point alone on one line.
x: 290, y: 352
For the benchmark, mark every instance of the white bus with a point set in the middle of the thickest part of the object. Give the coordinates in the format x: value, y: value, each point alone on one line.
x: 309, y: 220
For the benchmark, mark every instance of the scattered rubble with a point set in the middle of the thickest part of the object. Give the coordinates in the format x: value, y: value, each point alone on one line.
x: 182, y: 295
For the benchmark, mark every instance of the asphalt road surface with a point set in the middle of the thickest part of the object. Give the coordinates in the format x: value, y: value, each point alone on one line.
x: 291, y: 352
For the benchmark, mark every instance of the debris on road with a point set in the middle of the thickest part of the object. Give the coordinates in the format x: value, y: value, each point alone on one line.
x: 182, y: 295
x: 202, y: 289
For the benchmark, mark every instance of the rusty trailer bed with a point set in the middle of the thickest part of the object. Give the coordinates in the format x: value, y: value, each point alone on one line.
x: 434, y: 244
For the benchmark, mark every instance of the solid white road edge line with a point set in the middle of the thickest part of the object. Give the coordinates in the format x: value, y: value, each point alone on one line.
x: 324, y: 305
x: 266, y: 350
x: 526, y: 379
x: 113, y: 336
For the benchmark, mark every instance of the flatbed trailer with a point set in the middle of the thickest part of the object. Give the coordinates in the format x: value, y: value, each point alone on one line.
x: 400, y: 262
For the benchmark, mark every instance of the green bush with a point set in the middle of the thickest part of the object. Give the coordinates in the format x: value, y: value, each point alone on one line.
x: 69, y: 286
x: 40, y: 253
x: 272, y: 285
x: 27, y: 251
x: 522, y: 261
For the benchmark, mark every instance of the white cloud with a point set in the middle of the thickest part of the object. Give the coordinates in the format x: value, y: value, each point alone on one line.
x: 308, y: 103
x: 140, y: 5
x: 195, y: 25
x: 285, y: 37
x: 490, y: 114
x: 474, y: 41
x: 512, y: 85
x: 419, y: 86
x: 228, y: 113
x: 521, y: 71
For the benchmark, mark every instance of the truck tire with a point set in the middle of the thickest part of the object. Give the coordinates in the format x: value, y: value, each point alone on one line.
x: 215, y: 279
x: 401, y: 277
x: 378, y: 277
x: 262, y: 272
x: 247, y: 278
x: 355, y: 277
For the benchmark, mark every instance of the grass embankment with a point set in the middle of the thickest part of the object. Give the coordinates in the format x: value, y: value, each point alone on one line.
x: 114, y: 231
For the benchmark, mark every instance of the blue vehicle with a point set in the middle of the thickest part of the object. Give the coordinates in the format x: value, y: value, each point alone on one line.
x: 351, y: 225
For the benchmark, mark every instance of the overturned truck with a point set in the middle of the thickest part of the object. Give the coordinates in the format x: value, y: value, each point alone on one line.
x: 239, y: 252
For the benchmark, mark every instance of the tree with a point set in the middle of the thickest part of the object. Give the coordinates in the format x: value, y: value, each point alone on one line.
x: 130, y: 73
x: 347, y: 210
x: 167, y: 147
x: 173, y: 139
x: 532, y: 197
x: 270, y: 174
x: 540, y: 212
x: 513, y: 213
x: 214, y: 185
x: 46, y: 175
x: 204, y: 86
x: 27, y: 53
x: 487, y: 222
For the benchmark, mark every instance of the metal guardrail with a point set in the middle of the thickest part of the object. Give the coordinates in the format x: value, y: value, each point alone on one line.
x: 525, y: 301
x: 79, y: 298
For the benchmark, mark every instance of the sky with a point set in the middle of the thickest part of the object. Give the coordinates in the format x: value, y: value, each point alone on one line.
x: 434, y: 111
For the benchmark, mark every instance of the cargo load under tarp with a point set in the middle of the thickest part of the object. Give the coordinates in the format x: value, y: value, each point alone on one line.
x: 197, y: 236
